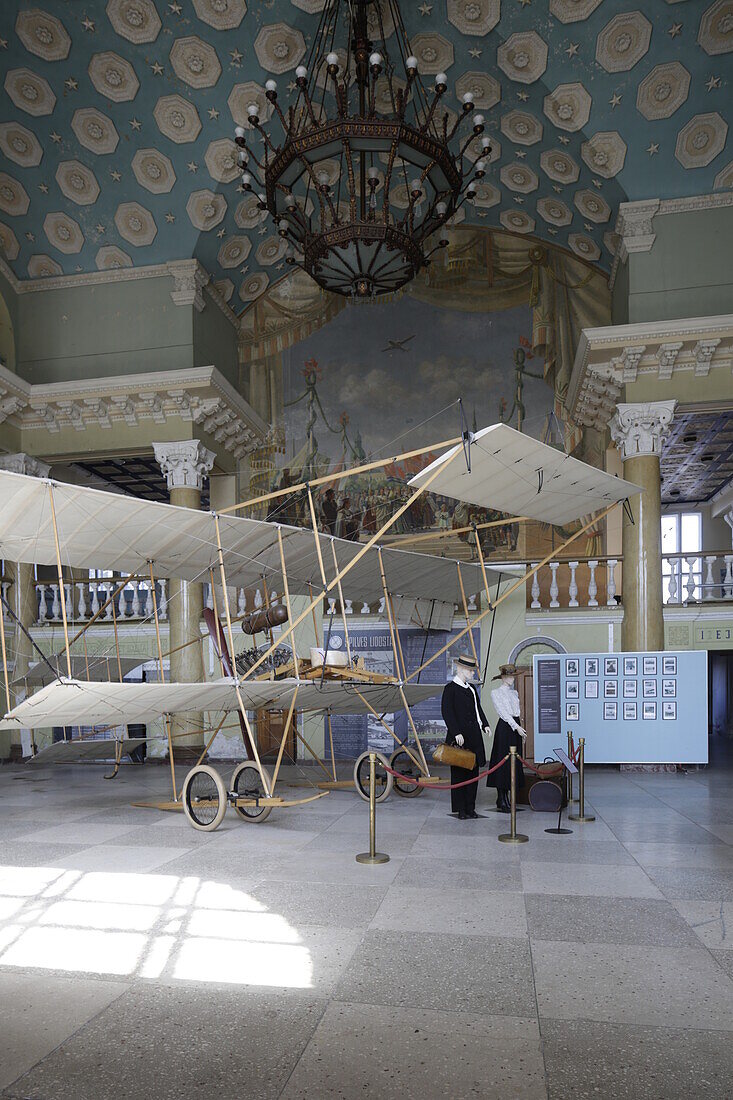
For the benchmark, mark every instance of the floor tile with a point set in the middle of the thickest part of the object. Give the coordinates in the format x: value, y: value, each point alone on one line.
x: 396, y: 1053
x: 711, y: 921
x: 596, y: 920
x: 176, y: 1037
x: 681, y: 855
x: 658, y: 986
x: 116, y: 857
x: 472, y: 913
x: 486, y: 975
x: 588, y: 879
x: 595, y: 1061
x: 322, y: 903
x: 459, y: 874
x: 694, y: 882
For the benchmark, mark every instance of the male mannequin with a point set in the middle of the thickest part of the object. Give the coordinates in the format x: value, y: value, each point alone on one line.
x: 466, y: 724
x: 508, y: 732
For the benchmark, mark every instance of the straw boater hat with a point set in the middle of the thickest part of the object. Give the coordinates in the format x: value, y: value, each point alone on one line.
x: 505, y: 670
x: 466, y: 660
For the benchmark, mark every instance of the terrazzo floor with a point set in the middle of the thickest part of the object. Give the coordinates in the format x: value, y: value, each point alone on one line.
x: 139, y: 958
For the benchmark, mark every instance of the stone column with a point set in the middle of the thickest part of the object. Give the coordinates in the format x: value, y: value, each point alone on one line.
x: 638, y: 431
x: 21, y: 593
x: 185, y: 464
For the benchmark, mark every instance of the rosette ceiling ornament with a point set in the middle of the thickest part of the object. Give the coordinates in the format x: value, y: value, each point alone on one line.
x: 367, y: 167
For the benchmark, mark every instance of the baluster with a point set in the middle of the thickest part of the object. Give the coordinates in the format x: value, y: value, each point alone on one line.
x: 273, y: 598
x: 5, y: 587
x: 108, y: 590
x: 56, y: 604
x: 380, y: 609
x: 728, y: 582
x: 94, y: 589
x: 82, y: 600
x: 162, y: 601
x: 535, y: 587
x: 472, y: 603
x: 690, y: 585
x: 592, y: 586
x: 331, y: 610
x: 554, y: 566
x: 241, y: 602
x: 258, y: 600
x: 672, y: 586
x: 349, y: 610
x: 146, y: 600
x: 40, y: 603
x: 365, y: 609
x: 209, y: 598
x: 573, y: 586
x: 611, y: 582
x: 709, y: 593
x: 136, y: 609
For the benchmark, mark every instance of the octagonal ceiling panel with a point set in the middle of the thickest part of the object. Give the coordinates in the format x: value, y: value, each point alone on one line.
x: 118, y: 121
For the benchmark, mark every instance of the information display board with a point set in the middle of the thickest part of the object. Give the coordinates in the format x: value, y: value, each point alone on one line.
x: 631, y: 708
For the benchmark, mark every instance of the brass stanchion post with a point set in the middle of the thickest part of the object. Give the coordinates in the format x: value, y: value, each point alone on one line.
x: 581, y: 814
x: 569, y: 776
x: 372, y: 856
x: 513, y: 837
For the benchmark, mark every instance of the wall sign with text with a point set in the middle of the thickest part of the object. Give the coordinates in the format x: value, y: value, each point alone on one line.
x: 631, y: 708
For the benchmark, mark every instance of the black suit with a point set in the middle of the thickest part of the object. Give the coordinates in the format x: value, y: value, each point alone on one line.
x: 458, y: 707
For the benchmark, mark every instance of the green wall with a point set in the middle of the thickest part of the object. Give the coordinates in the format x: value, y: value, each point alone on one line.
x: 8, y: 323
x: 130, y: 327
x: 687, y: 273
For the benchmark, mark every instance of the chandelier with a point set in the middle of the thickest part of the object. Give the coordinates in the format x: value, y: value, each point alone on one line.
x: 368, y: 167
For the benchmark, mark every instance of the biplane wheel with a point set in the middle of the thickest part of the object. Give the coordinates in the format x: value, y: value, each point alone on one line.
x: 401, y: 761
x: 247, y: 782
x: 382, y: 776
x: 204, y: 798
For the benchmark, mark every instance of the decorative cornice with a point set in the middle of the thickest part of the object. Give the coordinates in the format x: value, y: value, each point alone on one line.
x: 21, y: 463
x: 190, y: 278
x: 638, y: 428
x: 609, y: 358
x: 199, y: 394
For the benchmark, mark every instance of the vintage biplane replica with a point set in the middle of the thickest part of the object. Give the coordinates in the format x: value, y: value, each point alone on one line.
x: 47, y: 522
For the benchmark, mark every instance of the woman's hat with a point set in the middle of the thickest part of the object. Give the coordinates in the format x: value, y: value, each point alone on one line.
x: 467, y: 660
x: 505, y: 670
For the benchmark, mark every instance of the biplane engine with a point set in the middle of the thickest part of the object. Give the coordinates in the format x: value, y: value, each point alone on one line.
x: 283, y: 655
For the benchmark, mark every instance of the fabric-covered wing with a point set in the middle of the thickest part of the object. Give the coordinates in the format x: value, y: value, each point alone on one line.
x: 100, y: 530
x: 78, y: 703
x: 94, y: 667
x: 516, y: 474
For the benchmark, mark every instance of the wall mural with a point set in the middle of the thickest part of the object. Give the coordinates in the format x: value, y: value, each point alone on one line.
x: 386, y: 379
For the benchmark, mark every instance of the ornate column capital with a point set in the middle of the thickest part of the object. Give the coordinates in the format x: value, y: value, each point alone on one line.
x: 21, y: 463
x: 639, y: 428
x: 185, y: 463
x: 634, y: 225
x: 189, y: 279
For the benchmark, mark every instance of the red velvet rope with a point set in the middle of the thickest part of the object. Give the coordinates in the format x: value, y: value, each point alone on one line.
x: 537, y: 771
x: 446, y: 786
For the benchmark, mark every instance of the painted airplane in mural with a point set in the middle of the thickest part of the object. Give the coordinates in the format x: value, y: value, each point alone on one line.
x: 398, y: 345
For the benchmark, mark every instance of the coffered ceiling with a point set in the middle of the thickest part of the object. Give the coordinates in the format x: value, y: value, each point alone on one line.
x: 117, y: 120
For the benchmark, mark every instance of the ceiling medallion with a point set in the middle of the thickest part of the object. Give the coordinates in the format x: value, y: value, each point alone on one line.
x: 367, y: 170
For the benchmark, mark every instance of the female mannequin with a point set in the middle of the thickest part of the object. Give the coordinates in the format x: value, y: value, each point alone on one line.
x: 508, y: 732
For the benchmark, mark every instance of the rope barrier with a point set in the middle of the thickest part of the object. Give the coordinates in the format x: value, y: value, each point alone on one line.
x: 446, y: 786
x: 545, y: 774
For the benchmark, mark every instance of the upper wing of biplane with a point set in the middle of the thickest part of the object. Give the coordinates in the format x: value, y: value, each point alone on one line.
x: 93, y: 667
x: 100, y: 530
x: 514, y: 473
x: 79, y: 703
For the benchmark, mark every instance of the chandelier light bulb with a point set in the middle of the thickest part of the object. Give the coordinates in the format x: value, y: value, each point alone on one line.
x: 271, y: 86
x: 301, y: 74
x: 246, y: 181
x: 375, y: 62
x: 323, y: 180
x: 486, y: 145
x: 290, y: 202
x: 373, y: 174
x: 441, y: 83
x: 253, y: 113
x: 416, y: 187
x: 411, y: 64
x: 282, y: 227
x: 242, y: 158
x: 441, y: 209
x: 467, y: 100
x: 239, y: 135
x: 478, y: 124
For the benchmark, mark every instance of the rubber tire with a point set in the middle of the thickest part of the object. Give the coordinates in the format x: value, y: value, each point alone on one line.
x: 265, y: 811
x: 362, y: 789
x: 205, y: 769
x: 410, y: 790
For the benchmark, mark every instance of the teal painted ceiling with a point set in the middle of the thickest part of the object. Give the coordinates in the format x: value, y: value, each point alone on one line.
x: 117, y: 120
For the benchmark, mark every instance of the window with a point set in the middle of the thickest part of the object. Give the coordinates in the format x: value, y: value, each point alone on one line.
x: 681, y: 564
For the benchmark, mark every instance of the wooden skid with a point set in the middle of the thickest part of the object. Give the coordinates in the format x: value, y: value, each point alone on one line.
x: 337, y: 785
x: 173, y: 806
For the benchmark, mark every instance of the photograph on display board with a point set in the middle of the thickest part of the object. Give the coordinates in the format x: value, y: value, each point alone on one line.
x: 669, y: 666
x: 650, y: 666
x: 630, y: 666
x: 629, y: 712
x: 610, y: 666
x: 669, y: 689
x: 572, y: 712
x: 649, y: 712
x: 572, y: 666
x: 610, y: 689
x: 591, y: 689
x: 650, y: 689
x: 669, y: 711
x: 572, y: 689
x: 591, y: 666
x: 629, y: 689
x: 610, y: 712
